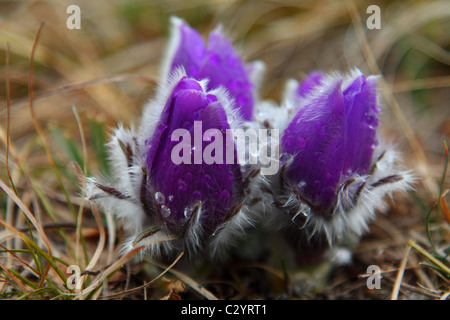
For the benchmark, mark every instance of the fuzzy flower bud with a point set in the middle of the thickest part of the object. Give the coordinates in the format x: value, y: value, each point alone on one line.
x: 174, y: 177
x: 218, y: 62
x: 338, y: 171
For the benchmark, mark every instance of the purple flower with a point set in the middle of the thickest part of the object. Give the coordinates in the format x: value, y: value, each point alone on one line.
x: 332, y: 178
x: 217, y: 62
x: 188, y: 184
x: 311, y: 82
x: 168, y: 183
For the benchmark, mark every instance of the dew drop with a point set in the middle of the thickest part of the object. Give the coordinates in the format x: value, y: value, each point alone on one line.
x: 301, y: 185
x: 170, y: 197
x: 165, y: 211
x: 159, y: 198
x: 285, y: 157
x: 188, y: 212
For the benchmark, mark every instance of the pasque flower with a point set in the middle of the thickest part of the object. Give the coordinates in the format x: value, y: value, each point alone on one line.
x: 199, y: 205
x: 337, y: 171
x: 218, y: 62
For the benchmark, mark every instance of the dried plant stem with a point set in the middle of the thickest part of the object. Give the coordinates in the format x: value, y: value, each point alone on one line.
x: 80, y: 237
x: 190, y: 282
x: 101, y: 242
x: 427, y: 255
x: 96, y: 283
x: 8, y: 115
x: 435, y: 82
x: 28, y: 214
x: 31, y: 97
x: 399, y: 277
x: 145, y: 285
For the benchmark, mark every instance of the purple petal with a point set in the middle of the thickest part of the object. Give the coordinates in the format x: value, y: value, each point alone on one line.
x: 315, y: 138
x: 223, y: 66
x: 219, y: 63
x: 312, y: 80
x: 190, y: 49
x: 331, y: 138
x: 187, y: 184
x: 362, y: 120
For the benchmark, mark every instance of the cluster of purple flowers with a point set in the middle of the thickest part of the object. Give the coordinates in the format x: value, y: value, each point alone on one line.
x: 334, y: 169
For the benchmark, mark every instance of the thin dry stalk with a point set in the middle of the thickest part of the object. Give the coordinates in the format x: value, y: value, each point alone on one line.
x: 424, y: 166
x: 28, y: 214
x: 190, y: 282
x: 399, y: 277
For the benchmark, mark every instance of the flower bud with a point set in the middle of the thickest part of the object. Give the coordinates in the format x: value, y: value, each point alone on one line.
x: 174, y: 173
x: 218, y: 62
x: 338, y: 171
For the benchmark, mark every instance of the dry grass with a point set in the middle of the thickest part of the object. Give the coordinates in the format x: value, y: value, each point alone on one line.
x: 61, y: 90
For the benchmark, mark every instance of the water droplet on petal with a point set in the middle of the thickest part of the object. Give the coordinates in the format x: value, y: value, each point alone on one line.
x: 285, y: 157
x: 159, y: 198
x: 188, y: 212
x: 170, y: 197
x: 301, y: 185
x: 165, y: 211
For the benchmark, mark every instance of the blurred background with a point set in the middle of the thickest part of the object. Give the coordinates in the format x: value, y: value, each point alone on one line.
x: 101, y: 74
